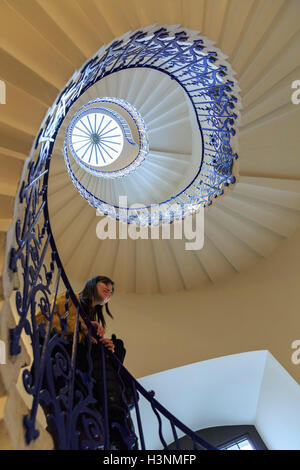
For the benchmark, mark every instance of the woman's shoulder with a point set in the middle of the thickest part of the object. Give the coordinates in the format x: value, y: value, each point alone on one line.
x: 64, y: 301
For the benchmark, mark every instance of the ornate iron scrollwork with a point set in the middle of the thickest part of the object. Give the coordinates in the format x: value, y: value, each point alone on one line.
x: 75, y: 419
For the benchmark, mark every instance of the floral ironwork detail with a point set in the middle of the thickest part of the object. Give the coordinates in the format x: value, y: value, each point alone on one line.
x: 53, y: 379
x: 208, y: 81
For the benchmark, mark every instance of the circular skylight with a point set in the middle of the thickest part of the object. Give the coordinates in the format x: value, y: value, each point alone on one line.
x: 100, y: 140
x: 97, y: 139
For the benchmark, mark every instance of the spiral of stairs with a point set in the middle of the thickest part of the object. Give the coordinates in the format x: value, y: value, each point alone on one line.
x: 42, y: 43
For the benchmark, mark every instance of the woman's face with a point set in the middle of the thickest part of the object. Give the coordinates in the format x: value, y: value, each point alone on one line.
x: 104, y: 292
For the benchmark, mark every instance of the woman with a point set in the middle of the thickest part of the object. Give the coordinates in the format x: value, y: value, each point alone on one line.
x: 96, y: 294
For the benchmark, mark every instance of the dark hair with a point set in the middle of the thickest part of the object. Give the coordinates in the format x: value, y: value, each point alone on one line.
x: 87, y: 295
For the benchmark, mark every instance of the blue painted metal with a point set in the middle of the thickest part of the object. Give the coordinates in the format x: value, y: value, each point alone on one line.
x: 65, y: 392
x: 198, y: 71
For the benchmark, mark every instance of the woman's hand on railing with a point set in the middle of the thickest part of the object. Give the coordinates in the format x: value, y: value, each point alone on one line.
x: 99, y: 329
x: 108, y: 343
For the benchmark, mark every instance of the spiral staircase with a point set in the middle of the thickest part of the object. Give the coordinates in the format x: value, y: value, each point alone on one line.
x: 41, y: 45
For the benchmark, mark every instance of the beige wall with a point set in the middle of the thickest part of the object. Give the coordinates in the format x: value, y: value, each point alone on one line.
x: 254, y: 310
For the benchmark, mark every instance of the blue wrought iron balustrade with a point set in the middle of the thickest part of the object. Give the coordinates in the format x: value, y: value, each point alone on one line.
x: 66, y: 392
x: 74, y: 418
x: 208, y: 82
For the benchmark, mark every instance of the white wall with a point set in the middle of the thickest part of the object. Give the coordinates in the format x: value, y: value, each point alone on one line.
x: 247, y: 388
x: 252, y: 311
x: 278, y: 410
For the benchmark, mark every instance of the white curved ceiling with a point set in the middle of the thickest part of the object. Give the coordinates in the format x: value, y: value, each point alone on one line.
x: 172, y: 133
x: 41, y: 45
x: 42, y: 42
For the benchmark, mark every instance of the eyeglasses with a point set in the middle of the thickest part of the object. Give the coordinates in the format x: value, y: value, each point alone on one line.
x: 107, y: 291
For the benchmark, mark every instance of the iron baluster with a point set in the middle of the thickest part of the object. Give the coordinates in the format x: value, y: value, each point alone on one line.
x: 138, y: 417
x: 29, y: 422
x: 145, y: 45
x: 104, y: 389
x: 70, y: 431
x: 151, y: 394
x: 175, y: 436
x: 124, y: 51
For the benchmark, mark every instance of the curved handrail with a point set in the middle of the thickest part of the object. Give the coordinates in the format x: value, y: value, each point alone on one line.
x: 54, y: 380
x: 207, y: 80
x: 124, y: 372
